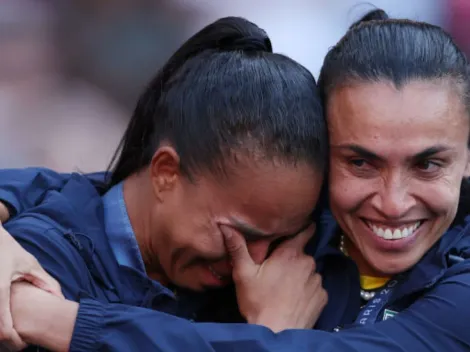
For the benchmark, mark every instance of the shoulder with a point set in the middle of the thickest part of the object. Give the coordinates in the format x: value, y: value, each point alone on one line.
x: 457, y: 241
x: 53, y: 246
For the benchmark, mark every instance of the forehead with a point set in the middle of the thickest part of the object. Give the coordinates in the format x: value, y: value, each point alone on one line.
x: 420, y: 112
x: 269, y: 196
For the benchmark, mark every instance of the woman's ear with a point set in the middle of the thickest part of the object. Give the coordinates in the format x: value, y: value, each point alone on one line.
x: 165, y: 171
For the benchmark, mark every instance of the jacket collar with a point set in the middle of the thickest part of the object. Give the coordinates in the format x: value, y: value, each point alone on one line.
x: 424, y: 274
x: 88, y: 219
x: 435, y: 262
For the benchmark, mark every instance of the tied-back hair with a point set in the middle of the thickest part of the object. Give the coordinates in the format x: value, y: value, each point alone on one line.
x: 224, y: 90
x: 378, y: 48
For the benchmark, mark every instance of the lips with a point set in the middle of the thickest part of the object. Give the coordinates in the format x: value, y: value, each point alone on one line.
x: 221, y: 275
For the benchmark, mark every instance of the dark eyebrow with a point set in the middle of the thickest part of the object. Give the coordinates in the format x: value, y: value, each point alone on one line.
x: 426, y: 153
x: 361, y: 151
x: 367, y: 154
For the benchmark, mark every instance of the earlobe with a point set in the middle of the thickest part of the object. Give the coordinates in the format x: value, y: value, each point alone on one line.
x: 164, y: 171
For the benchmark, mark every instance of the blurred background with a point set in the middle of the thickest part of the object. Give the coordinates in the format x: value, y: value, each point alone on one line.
x: 71, y: 70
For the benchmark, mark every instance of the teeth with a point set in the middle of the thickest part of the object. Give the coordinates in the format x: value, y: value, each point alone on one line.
x: 388, y: 234
x: 394, y: 234
x: 214, y: 272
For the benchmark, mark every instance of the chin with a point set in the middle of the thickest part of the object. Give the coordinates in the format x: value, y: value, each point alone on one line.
x: 392, y: 266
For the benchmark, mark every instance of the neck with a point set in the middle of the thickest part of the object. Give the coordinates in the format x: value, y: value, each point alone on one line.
x: 365, y: 269
x: 141, y: 210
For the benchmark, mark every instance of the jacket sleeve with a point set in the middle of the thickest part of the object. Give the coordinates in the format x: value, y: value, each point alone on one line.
x: 21, y: 189
x: 436, y: 322
x: 55, y: 254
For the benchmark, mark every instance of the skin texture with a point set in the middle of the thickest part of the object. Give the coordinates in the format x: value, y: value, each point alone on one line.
x: 4, y: 213
x: 377, y: 175
x: 300, y: 301
x: 18, y: 265
x: 41, y: 318
x: 177, y: 222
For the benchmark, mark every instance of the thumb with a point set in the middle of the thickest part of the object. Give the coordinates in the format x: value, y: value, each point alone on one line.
x: 6, y: 322
x: 238, y: 251
x: 300, y: 241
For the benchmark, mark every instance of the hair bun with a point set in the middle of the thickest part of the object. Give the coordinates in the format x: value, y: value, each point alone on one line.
x: 248, y: 43
x: 225, y: 34
x: 374, y: 15
x: 236, y: 33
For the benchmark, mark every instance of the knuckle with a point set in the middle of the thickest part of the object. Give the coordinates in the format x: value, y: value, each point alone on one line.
x: 314, y: 264
x: 317, y: 280
x: 288, y: 253
x: 309, y: 263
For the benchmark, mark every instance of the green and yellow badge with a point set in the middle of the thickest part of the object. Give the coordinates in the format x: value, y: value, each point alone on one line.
x: 389, y: 314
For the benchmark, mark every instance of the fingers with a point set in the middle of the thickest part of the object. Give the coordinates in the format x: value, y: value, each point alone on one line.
x: 12, y: 343
x: 37, y: 276
x: 9, y: 339
x: 41, y: 279
x: 237, y: 250
x: 318, y: 293
x: 300, y: 241
x: 6, y: 323
x: 4, y: 213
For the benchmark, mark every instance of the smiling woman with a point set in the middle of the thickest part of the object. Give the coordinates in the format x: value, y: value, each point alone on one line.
x: 397, y: 163
x: 396, y: 97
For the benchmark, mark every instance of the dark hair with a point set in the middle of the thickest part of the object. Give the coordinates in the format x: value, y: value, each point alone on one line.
x: 221, y: 90
x: 379, y: 48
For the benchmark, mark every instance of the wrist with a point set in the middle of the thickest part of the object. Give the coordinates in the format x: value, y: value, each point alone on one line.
x: 41, y: 318
x: 268, y: 321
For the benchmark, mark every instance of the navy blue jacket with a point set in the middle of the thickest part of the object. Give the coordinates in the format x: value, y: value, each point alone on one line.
x: 59, y: 219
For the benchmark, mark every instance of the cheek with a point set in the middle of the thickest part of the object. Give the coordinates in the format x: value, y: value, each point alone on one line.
x: 199, y: 235
x: 440, y: 197
x: 346, y: 192
x: 190, y: 229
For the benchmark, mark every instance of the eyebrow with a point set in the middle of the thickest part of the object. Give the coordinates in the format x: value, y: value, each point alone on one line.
x: 367, y: 154
x: 426, y: 153
x: 256, y: 234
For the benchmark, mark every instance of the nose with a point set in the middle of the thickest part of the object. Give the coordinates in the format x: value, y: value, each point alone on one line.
x: 394, y: 198
x: 258, y: 250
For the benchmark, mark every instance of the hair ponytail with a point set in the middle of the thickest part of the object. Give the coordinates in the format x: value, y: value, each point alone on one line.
x: 226, y: 34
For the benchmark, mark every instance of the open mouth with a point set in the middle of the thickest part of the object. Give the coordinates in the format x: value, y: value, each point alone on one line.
x: 394, y: 233
x: 218, y: 275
